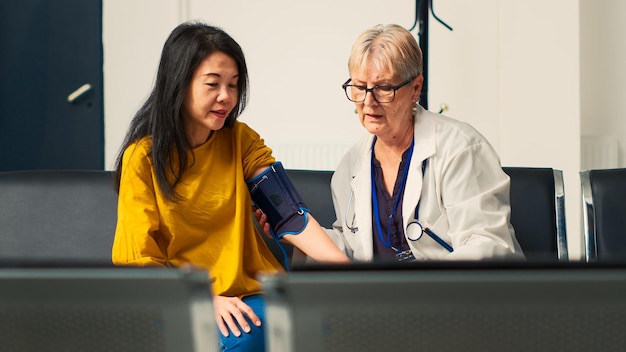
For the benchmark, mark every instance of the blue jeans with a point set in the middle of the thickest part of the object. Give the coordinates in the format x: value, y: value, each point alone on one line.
x: 253, y: 341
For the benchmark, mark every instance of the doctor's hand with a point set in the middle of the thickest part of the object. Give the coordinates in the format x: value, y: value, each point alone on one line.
x: 230, y: 309
x: 261, y: 218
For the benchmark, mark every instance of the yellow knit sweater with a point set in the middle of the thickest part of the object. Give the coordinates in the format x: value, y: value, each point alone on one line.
x: 211, y: 227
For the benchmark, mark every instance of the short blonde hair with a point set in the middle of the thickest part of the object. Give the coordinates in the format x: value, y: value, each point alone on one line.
x: 389, y: 47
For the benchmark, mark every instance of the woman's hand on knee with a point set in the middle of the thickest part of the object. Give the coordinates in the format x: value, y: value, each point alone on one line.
x: 231, y: 310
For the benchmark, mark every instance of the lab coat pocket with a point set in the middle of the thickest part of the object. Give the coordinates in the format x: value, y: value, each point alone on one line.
x: 434, y: 242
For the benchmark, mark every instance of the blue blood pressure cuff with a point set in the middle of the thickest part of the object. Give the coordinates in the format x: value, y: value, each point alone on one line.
x: 273, y: 193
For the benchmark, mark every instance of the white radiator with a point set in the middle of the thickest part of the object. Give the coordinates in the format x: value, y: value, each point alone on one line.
x: 309, y: 156
x: 599, y: 152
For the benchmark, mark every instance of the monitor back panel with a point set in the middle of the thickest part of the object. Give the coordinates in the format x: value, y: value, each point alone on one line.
x: 447, y: 310
x: 105, y: 309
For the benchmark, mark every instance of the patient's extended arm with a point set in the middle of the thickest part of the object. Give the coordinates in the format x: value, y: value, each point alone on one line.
x: 311, y: 242
x: 286, y: 217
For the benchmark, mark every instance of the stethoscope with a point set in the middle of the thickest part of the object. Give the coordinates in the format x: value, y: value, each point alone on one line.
x: 415, y: 230
x: 351, y: 227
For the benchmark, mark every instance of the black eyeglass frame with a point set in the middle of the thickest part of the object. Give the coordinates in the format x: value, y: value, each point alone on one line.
x: 371, y: 90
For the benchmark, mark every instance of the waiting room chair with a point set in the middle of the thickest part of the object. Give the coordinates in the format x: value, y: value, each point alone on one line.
x: 57, y: 215
x: 538, y: 212
x: 537, y: 203
x: 314, y: 188
x: 604, y: 214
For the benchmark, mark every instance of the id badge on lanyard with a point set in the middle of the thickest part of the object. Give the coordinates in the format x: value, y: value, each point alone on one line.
x: 405, y: 256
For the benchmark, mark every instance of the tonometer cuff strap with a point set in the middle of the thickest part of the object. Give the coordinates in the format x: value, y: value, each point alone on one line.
x: 273, y: 193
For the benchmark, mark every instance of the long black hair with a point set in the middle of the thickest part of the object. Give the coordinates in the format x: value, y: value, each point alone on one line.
x: 160, y: 116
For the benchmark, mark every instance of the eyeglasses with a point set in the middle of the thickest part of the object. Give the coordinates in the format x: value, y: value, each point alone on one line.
x: 382, y: 94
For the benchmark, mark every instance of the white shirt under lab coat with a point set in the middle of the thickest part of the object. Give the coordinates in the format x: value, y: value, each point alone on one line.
x: 463, y: 195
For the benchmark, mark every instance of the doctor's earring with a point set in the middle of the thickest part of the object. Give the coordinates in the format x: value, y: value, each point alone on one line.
x: 356, y: 111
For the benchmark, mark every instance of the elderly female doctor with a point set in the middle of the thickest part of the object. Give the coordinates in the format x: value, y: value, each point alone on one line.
x: 421, y: 186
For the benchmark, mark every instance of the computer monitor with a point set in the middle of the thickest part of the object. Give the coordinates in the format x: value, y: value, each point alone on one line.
x: 447, y: 307
x: 56, y: 309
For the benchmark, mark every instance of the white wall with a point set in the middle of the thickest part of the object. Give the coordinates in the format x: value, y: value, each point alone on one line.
x: 133, y: 33
x: 297, y: 59
x: 603, y: 77
x: 510, y: 68
x: 463, y: 63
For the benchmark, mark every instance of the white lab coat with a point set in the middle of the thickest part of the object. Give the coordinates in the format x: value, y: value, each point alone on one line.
x: 464, y: 195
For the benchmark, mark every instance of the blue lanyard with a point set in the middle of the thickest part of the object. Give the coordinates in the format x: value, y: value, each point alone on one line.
x: 405, y: 172
x: 387, y: 242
